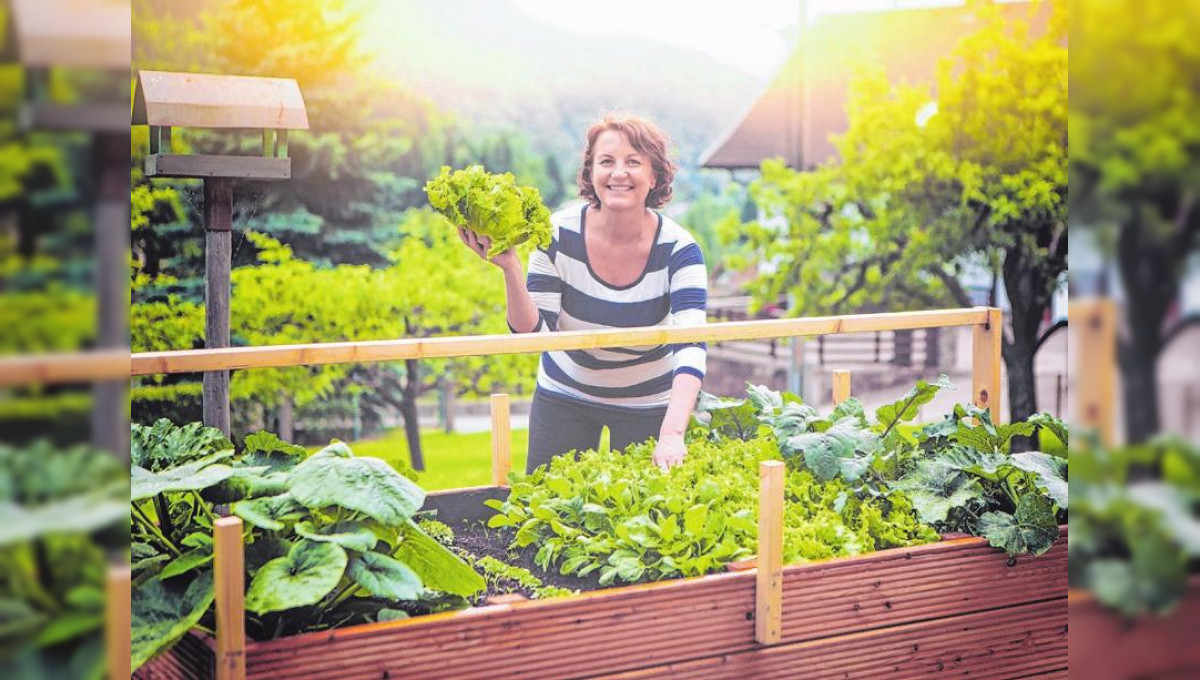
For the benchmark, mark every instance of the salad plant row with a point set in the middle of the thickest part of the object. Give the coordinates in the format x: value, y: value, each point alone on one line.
x: 854, y: 484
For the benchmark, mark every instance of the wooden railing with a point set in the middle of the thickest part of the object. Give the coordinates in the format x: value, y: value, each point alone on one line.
x: 46, y: 369
x: 107, y: 365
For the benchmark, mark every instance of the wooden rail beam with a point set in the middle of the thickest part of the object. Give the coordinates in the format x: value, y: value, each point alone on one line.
x: 196, y: 361
x: 50, y: 369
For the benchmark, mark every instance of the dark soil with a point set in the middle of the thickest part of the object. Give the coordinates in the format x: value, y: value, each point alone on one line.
x: 477, y: 539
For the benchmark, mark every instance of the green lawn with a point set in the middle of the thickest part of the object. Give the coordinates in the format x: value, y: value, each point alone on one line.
x: 451, y: 460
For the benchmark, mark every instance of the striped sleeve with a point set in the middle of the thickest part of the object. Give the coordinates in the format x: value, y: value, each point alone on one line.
x: 545, y: 287
x: 689, y: 302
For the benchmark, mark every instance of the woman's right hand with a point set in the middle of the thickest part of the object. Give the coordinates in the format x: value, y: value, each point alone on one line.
x: 481, y: 244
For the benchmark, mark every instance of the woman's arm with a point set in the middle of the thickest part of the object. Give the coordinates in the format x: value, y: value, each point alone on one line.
x: 523, y: 313
x: 670, y: 448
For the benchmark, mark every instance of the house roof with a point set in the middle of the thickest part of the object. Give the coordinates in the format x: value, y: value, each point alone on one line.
x: 906, y: 43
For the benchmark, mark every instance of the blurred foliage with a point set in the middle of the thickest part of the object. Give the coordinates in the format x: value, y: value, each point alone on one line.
x: 317, y: 258
x: 1135, y: 169
x: 433, y: 287
x: 916, y: 201
x: 61, y: 511
x: 1135, y: 537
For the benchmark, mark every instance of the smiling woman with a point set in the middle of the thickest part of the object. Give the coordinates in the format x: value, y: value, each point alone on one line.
x: 616, y: 263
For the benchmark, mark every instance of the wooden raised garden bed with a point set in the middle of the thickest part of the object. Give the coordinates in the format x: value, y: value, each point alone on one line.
x: 953, y: 608
x: 1109, y: 647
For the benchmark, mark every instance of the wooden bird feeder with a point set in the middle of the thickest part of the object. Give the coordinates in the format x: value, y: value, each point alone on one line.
x: 68, y: 34
x: 165, y: 101
x: 198, y: 100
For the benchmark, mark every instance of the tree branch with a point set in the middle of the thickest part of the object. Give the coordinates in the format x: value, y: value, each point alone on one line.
x: 960, y: 294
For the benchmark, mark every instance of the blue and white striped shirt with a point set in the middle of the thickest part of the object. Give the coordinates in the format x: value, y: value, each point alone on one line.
x: 672, y: 291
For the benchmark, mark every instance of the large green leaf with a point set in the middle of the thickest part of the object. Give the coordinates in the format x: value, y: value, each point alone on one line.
x: 1031, y: 531
x: 845, y: 449
x: 1057, y: 427
x: 438, y: 568
x: 266, y: 449
x: 269, y: 513
x: 908, y: 406
x: 163, y: 445
x: 80, y: 514
x: 192, y: 559
x: 163, y: 612
x: 1152, y: 580
x: 193, y: 476
x: 1049, y: 473
x: 383, y: 576
x: 792, y: 419
x: 983, y: 464
x: 351, y: 535
x: 991, y: 438
x: 936, y: 488
x: 1175, y: 507
x: 335, y: 477
x: 729, y: 418
x: 304, y: 576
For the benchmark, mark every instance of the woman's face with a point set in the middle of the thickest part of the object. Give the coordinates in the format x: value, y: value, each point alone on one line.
x: 622, y: 176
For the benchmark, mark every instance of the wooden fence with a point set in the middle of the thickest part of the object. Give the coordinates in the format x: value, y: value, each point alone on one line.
x: 92, y: 366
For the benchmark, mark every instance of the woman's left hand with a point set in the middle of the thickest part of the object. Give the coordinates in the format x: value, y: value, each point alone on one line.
x: 669, y: 451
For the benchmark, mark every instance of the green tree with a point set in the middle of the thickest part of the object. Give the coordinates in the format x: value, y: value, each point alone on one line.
x: 916, y: 200
x: 433, y: 287
x: 1135, y: 168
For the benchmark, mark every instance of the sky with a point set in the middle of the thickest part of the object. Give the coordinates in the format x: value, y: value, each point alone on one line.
x: 753, y: 35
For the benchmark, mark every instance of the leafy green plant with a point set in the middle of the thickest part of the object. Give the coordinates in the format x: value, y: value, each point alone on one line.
x: 615, y: 514
x: 499, y: 573
x: 490, y: 205
x: 964, y: 479
x: 957, y: 473
x: 1135, y: 536
x: 329, y: 537
x: 62, y: 514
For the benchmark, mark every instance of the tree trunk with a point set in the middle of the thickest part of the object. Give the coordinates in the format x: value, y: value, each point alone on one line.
x: 287, y: 425
x: 408, y: 409
x: 1151, y: 270
x: 1029, y: 292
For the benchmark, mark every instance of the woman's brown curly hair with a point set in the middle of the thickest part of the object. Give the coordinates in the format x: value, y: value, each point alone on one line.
x: 648, y: 139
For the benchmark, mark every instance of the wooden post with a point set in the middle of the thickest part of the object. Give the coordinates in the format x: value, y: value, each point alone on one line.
x: 218, y: 225
x: 501, y: 440
x: 986, y: 363
x: 841, y: 386
x: 118, y: 600
x: 1096, y: 366
x: 229, y: 581
x: 110, y: 399
x: 768, y: 593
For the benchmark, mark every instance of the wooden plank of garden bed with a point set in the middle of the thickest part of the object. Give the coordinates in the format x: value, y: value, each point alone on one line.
x: 1104, y: 646
x: 229, y: 358
x: 622, y: 628
x: 902, y: 585
x: 1013, y: 642
x: 614, y: 630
